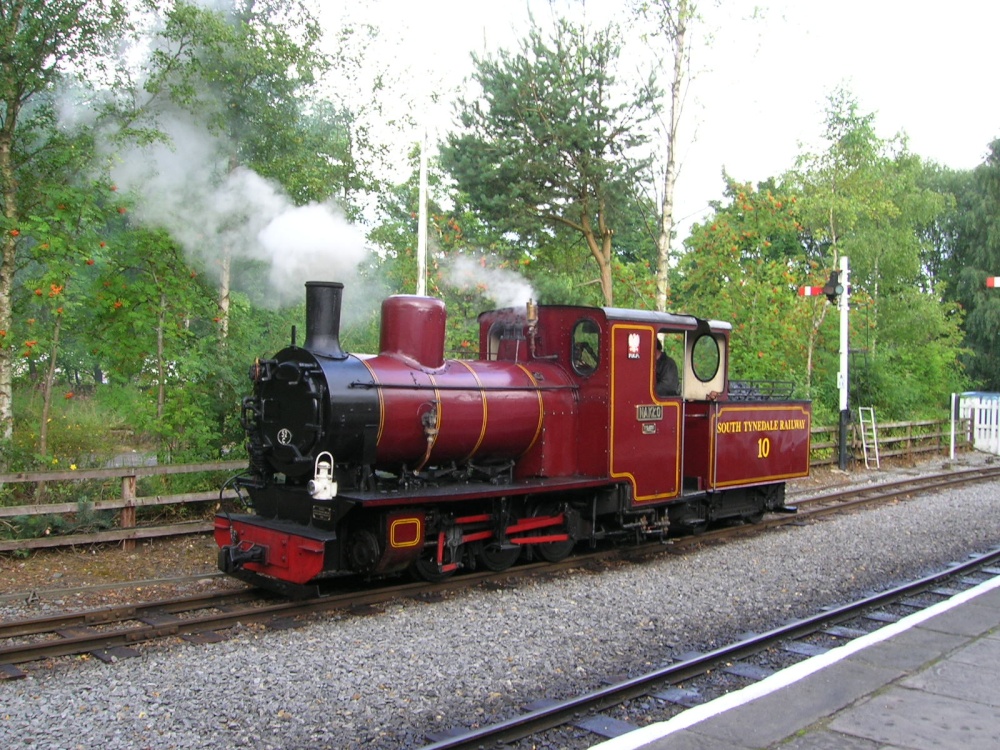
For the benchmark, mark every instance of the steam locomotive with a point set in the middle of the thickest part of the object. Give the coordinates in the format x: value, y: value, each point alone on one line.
x: 558, y: 435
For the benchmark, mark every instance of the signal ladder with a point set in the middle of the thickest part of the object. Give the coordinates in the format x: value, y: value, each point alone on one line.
x: 866, y: 416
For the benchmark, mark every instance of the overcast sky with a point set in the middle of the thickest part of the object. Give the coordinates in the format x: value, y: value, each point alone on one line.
x: 924, y: 68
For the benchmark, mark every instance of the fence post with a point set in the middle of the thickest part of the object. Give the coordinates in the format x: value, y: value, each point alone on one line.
x: 128, y: 512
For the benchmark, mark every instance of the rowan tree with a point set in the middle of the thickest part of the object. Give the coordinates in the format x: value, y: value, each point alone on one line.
x: 44, y: 45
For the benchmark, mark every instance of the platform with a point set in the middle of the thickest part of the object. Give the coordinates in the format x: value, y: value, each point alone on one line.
x: 926, y: 681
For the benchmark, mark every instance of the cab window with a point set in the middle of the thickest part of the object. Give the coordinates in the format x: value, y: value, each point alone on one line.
x: 705, y: 358
x: 586, y: 347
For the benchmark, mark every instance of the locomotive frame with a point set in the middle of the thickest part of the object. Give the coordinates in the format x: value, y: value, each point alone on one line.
x: 556, y: 435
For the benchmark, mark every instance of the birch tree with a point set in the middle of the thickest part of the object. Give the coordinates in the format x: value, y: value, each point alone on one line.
x: 670, y: 22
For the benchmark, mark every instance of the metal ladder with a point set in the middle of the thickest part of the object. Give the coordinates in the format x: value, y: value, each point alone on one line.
x: 866, y: 416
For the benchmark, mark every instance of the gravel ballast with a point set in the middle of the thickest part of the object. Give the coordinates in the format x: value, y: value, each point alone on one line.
x: 382, y: 681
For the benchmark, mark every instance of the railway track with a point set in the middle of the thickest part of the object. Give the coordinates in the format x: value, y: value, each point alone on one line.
x: 110, y: 633
x: 594, y: 716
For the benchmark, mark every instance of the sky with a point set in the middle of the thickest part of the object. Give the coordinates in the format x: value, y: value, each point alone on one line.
x: 761, y: 85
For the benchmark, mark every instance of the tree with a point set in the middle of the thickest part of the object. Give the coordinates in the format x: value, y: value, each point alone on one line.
x: 971, y: 253
x: 743, y: 265
x: 553, y: 142
x: 863, y: 197
x: 43, y: 43
x: 670, y: 19
x: 242, y: 74
x: 471, y: 267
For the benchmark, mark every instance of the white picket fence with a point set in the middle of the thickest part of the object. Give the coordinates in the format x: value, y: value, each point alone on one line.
x: 982, y: 410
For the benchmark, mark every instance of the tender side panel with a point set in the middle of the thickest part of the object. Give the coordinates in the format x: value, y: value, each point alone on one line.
x: 645, y: 430
x: 759, y: 443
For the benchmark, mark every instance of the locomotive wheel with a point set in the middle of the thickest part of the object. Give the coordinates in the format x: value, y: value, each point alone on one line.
x: 425, y: 568
x: 493, y: 557
x: 552, y: 551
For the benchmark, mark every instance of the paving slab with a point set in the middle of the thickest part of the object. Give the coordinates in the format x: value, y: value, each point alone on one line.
x: 956, y: 679
x: 922, y: 721
x: 984, y: 652
x: 911, y: 649
x: 970, y: 619
x: 989, y: 599
x: 771, y: 718
x: 824, y: 739
x: 688, y: 740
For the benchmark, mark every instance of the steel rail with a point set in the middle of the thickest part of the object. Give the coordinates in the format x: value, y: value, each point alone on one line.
x: 561, y: 713
x: 77, y: 641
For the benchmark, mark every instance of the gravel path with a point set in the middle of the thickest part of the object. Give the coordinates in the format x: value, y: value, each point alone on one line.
x: 383, y: 680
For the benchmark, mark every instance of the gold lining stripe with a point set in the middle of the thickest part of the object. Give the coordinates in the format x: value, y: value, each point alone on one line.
x: 381, y: 401
x: 482, y: 398
x: 408, y: 521
x: 636, y: 498
x: 439, y: 408
x: 541, y: 409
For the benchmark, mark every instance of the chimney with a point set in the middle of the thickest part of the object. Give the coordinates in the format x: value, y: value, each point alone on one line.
x: 323, y: 300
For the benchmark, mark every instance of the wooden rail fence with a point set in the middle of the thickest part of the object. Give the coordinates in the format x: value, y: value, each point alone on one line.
x: 127, y: 504
x: 895, y: 439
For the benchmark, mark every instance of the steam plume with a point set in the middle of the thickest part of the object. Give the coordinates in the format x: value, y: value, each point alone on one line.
x: 186, y: 188
x: 506, y: 288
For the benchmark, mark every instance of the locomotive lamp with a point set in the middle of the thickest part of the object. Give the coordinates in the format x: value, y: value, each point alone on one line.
x: 323, y: 486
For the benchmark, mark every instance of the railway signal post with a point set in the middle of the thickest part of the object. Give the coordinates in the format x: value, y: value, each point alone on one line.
x: 837, y: 291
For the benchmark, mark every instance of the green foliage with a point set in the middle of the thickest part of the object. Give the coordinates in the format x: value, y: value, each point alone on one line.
x: 555, y: 142
x: 863, y: 197
x: 45, y: 45
x: 108, y: 326
x: 85, y: 520
x: 968, y: 251
x: 742, y: 266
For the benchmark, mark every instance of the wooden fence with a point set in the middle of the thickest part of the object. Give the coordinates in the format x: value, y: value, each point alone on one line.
x: 895, y: 439
x: 128, y: 503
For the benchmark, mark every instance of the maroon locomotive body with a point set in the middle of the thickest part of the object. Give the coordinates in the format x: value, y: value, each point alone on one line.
x: 562, y: 432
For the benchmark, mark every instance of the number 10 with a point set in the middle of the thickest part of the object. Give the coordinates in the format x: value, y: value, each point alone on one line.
x: 763, y: 447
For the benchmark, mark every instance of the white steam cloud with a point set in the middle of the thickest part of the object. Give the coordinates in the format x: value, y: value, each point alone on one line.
x: 506, y: 288
x: 186, y: 188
